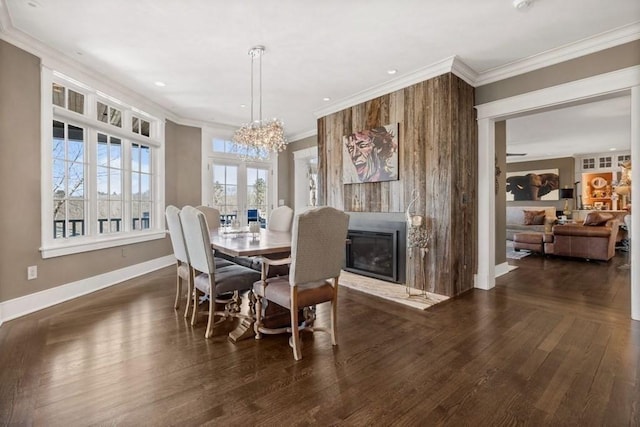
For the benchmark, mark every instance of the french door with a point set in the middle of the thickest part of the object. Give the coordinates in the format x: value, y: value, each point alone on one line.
x: 240, y: 190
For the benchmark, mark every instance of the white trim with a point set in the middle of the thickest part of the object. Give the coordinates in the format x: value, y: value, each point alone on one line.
x: 420, y: 75
x: 73, y: 246
x: 602, y: 84
x: 302, y: 135
x: 625, y: 80
x: 465, y: 72
x: 504, y: 268
x: 306, y: 153
x: 486, y: 205
x: 564, y: 53
x: 21, y: 306
x: 635, y: 195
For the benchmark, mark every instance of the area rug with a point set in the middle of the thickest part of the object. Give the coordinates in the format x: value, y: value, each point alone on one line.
x: 390, y: 291
x: 512, y: 254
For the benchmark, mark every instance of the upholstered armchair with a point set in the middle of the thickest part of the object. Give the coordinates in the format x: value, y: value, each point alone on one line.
x: 206, y: 278
x: 317, y: 255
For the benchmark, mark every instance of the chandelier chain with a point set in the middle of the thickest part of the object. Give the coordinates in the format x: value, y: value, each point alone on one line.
x: 258, y: 138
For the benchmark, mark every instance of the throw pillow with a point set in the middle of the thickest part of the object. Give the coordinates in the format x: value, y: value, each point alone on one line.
x: 597, y: 218
x: 529, y: 217
x: 538, y: 219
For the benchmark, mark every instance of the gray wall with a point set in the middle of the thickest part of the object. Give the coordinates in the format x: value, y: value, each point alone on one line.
x: 615, y: 58
x: 183, y: 163
x: 20, y: 192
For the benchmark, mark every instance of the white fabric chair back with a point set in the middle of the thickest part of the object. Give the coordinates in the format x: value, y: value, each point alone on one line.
x: 280, y: 219
x: 196, y: 236
x: 212, y: 215
x: 318, y: 245
x: 176, y: 233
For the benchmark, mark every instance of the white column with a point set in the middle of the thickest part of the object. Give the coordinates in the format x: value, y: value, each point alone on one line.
x: 486, y: 277
x: 635, y: 202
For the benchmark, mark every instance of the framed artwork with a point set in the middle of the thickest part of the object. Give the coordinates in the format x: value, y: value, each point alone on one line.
x: 533, y: 185
x: 370, y: 155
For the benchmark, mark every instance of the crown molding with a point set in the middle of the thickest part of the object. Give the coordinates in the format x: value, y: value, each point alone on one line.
x: 302, y: 135
x: 420, y: 75
x: 465, y: 72
x: 5, y: 18
x: 564, y: 53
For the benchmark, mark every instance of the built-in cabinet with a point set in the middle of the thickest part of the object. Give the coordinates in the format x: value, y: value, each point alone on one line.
x: 597, y: 176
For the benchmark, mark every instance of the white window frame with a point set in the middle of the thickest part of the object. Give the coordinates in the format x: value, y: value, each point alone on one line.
x: 92, y: 241
x: 209, y: 156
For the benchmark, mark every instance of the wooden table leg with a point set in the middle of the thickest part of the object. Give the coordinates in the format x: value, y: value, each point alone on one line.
x: 245, y: 329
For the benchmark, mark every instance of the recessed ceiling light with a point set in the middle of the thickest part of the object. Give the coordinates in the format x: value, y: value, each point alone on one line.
x: 243, y: 105
x: 326, y: 98
x: 160, y: 84
x: 33, y: 3
x: 392, y: 71
x: 79, y: 53
x: 612, y: 149
x: 522, y: 4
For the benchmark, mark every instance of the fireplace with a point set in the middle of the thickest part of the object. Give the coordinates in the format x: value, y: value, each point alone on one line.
x: 377, y: 250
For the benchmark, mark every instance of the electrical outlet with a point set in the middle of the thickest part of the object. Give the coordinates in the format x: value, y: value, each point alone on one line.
x: 32, y: 272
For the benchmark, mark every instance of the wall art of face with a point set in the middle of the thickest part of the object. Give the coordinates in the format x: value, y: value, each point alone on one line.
x: 373, y: 154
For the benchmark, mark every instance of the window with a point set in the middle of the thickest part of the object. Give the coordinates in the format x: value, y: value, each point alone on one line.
x: 589, y: 163
x: 605, y: 162
x: 109, y: 183
x: 624, y: 158
x: 225, y: 191
x: 102, y: 173
x: 140, y: 126
x: 68, y: 178
x: 238, y: 189
x: 141, y: 195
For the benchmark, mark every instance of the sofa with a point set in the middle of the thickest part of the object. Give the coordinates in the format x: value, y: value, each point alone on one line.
x: 595, y: 238
x: 524, y: 219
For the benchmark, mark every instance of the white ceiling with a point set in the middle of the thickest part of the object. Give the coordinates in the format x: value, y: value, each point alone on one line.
x: 329, y: 48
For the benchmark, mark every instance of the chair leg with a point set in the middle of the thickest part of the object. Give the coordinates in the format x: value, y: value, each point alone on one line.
x: 176, y: 303
x: 258, y: 323
x: 295, y: 333
x: 189, y: 296
x: 334, y: 313
x: 212, y: 309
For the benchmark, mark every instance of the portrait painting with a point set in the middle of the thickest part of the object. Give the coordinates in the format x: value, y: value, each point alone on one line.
x: 533, y: 185
x: 370, y: 155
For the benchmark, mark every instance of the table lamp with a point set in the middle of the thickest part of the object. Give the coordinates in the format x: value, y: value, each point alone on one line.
x: 566, y: 194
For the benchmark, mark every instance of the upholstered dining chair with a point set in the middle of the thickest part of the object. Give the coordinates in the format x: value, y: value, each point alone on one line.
x: 172, y: 214
x: 206, y: 278
x: 212, y: 215
x: 280, y: 219
x: 317, y: 254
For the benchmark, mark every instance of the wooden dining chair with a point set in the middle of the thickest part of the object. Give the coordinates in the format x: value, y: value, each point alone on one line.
x: 172, y: 215
x: 317, y: 255
x: 218, y: 283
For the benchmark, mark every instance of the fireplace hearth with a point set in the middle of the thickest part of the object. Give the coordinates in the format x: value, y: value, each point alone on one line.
x: 377, y: 249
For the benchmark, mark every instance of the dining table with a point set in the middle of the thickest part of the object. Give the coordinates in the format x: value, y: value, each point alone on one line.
x: 242, y: 243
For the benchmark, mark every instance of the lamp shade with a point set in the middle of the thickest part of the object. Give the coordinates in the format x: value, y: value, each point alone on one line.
x: 566, y: 193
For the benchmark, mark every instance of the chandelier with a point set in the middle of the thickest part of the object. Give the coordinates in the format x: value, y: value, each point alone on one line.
x: 257, y: 139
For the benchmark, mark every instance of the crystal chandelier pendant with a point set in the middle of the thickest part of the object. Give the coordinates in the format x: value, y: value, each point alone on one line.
x: 257, y: 139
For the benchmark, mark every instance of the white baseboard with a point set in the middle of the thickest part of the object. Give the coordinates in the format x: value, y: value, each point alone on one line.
x: 37, y: 301
x: 504, y: 268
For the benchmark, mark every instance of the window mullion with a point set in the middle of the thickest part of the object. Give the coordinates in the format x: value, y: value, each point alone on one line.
x: 92, y: 186
x: 127, y: 217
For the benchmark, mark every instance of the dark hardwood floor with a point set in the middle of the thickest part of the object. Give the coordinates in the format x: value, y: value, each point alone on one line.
x: 552, y: 344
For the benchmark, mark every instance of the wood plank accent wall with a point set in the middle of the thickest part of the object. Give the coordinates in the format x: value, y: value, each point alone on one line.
x: 438, y: 157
